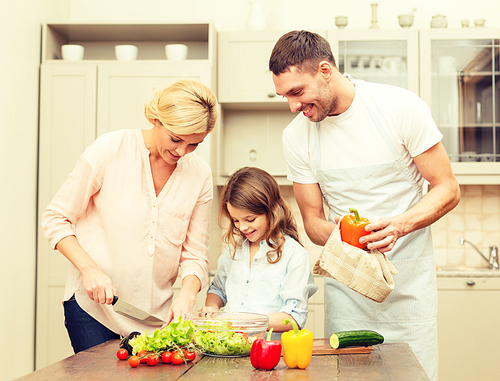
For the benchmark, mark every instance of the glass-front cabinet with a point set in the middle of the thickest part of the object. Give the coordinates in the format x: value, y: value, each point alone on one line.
x: 460, y: 81
x: 378, y: 55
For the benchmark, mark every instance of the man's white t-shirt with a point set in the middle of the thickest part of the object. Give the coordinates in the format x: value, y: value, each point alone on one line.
x: 352, y: 139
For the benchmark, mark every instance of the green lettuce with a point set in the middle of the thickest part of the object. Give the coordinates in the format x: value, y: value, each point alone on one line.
x: 178, y: 334
x: 211, y: 339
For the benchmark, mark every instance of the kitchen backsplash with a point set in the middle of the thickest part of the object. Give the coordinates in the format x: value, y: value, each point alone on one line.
x: 476, y: 218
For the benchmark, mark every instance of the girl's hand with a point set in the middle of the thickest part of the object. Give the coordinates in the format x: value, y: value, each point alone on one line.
x: 98, y: 286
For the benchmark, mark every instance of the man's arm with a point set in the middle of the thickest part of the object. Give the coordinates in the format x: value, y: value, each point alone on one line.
x: 310, y: 201
x: 443, y: 196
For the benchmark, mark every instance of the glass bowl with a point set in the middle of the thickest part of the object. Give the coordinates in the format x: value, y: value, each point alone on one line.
x: 227, y: 334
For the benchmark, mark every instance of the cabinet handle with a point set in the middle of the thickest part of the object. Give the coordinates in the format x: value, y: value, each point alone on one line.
x: 470, y: 283
x: 271, y: 95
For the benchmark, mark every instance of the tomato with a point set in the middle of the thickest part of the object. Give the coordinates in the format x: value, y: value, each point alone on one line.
x: 122, y: 354
x: 189, y: 356
x: 134, y: 361
x: 142, y: 356
x: 153, y: 359
x: 166, y: 357
x: 177, y: 358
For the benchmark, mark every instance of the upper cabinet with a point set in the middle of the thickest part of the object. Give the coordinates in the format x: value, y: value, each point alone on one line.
x: 378, y: 55
x: 460, y: 81
x: 244, y: 74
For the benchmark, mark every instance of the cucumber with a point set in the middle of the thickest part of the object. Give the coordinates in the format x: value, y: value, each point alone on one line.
x: 360, y: 338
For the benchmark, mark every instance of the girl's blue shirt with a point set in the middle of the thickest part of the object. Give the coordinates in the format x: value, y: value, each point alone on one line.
x: 264, y: 287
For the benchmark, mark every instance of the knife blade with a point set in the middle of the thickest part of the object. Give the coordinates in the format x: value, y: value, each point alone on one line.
x: 126, y: 309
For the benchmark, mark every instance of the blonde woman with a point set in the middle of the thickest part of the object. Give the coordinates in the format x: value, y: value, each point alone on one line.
x: 134, y: 214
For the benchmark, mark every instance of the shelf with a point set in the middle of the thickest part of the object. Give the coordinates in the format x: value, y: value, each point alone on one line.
x: 99, y: 40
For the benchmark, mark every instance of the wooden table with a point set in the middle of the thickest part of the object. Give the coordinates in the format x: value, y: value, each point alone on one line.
x: 386, y: 362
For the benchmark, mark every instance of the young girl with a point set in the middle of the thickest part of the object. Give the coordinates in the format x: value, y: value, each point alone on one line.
x: 265, y: 269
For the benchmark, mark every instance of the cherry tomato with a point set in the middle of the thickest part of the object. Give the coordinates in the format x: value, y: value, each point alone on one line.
x: 166, y: 357
x: 153, y: 359
x: 177, y: 358
x: 142, y: 356
x: 189, y: 356
x: 122, y: 354
x: 134, y: 361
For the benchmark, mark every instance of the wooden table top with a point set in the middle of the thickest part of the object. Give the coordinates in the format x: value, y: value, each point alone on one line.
x: 392, y: 362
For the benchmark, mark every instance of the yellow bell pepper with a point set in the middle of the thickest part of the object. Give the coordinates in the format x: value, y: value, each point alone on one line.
x: 297, y: 346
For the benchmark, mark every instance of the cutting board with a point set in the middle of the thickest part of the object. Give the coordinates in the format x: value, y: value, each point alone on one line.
x: 322, y: 347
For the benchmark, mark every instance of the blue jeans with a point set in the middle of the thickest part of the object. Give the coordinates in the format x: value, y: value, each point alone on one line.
x: 83, y: 330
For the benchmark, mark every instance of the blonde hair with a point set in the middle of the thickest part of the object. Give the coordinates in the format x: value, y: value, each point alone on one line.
x: 255, y: 190
x: 185, y: 107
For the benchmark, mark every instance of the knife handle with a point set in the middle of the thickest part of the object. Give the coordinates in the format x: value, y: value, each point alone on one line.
x: 115, y: 299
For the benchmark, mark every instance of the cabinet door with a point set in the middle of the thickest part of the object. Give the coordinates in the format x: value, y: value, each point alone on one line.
x: 382, y: 56
x: 468, y: 335
x: 460, y: 81
x: 67, y: 127
x: 244, y: 74
x: 124, y: 89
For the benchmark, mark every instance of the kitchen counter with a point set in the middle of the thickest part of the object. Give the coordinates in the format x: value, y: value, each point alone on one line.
x: 386, y: 362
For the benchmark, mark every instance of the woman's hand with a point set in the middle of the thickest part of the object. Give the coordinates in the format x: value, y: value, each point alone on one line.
x: 180, y: 307
x: 184, y: 302
x: 98, y: 286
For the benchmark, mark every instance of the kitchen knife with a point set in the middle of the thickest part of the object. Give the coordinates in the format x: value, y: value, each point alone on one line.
x: 126, y: 309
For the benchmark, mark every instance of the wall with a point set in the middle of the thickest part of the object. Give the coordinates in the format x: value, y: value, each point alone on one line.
x: 477, y: 219
x: 19, y: 64
x: 20, y: 29
x: 286, y: 14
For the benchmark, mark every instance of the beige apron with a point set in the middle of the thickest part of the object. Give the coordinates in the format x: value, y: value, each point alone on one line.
x: 409, y: 314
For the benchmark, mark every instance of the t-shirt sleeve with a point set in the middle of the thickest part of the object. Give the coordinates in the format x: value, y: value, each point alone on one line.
x: 416, y: 127
x: 295, y: 146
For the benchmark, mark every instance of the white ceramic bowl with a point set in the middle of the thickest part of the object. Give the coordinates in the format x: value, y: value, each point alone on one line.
x: 126, y: 52
x: 341, y: 21
x: 405, y: 21
x: 176, y: 52
x: 72, y: 52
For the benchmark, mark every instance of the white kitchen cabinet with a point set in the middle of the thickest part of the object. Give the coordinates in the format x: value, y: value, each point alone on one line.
x: 460, y: 81
x: 253, y: 116
x: 468, y: 332
x: 244, y: 74
x: 388, y: 56
x: 82, y: 100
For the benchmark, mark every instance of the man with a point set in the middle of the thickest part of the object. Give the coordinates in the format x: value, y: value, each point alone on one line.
x: 372, y: 147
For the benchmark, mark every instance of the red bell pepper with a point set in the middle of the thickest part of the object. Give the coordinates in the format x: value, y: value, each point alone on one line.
x: 265, y: 354
x: 352, y: 228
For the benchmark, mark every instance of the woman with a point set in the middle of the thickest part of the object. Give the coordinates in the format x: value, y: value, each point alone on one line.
x: 133, y: 214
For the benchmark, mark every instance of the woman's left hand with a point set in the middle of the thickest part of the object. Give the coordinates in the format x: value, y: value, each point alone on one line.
x: 184, y: 302
x: 179, y: 307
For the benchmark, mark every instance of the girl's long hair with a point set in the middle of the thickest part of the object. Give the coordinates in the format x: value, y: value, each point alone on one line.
x: 255, y: 190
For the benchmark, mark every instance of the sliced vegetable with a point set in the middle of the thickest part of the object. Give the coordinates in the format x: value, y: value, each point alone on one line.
x: 222, y: 339
x: 359, y: 338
